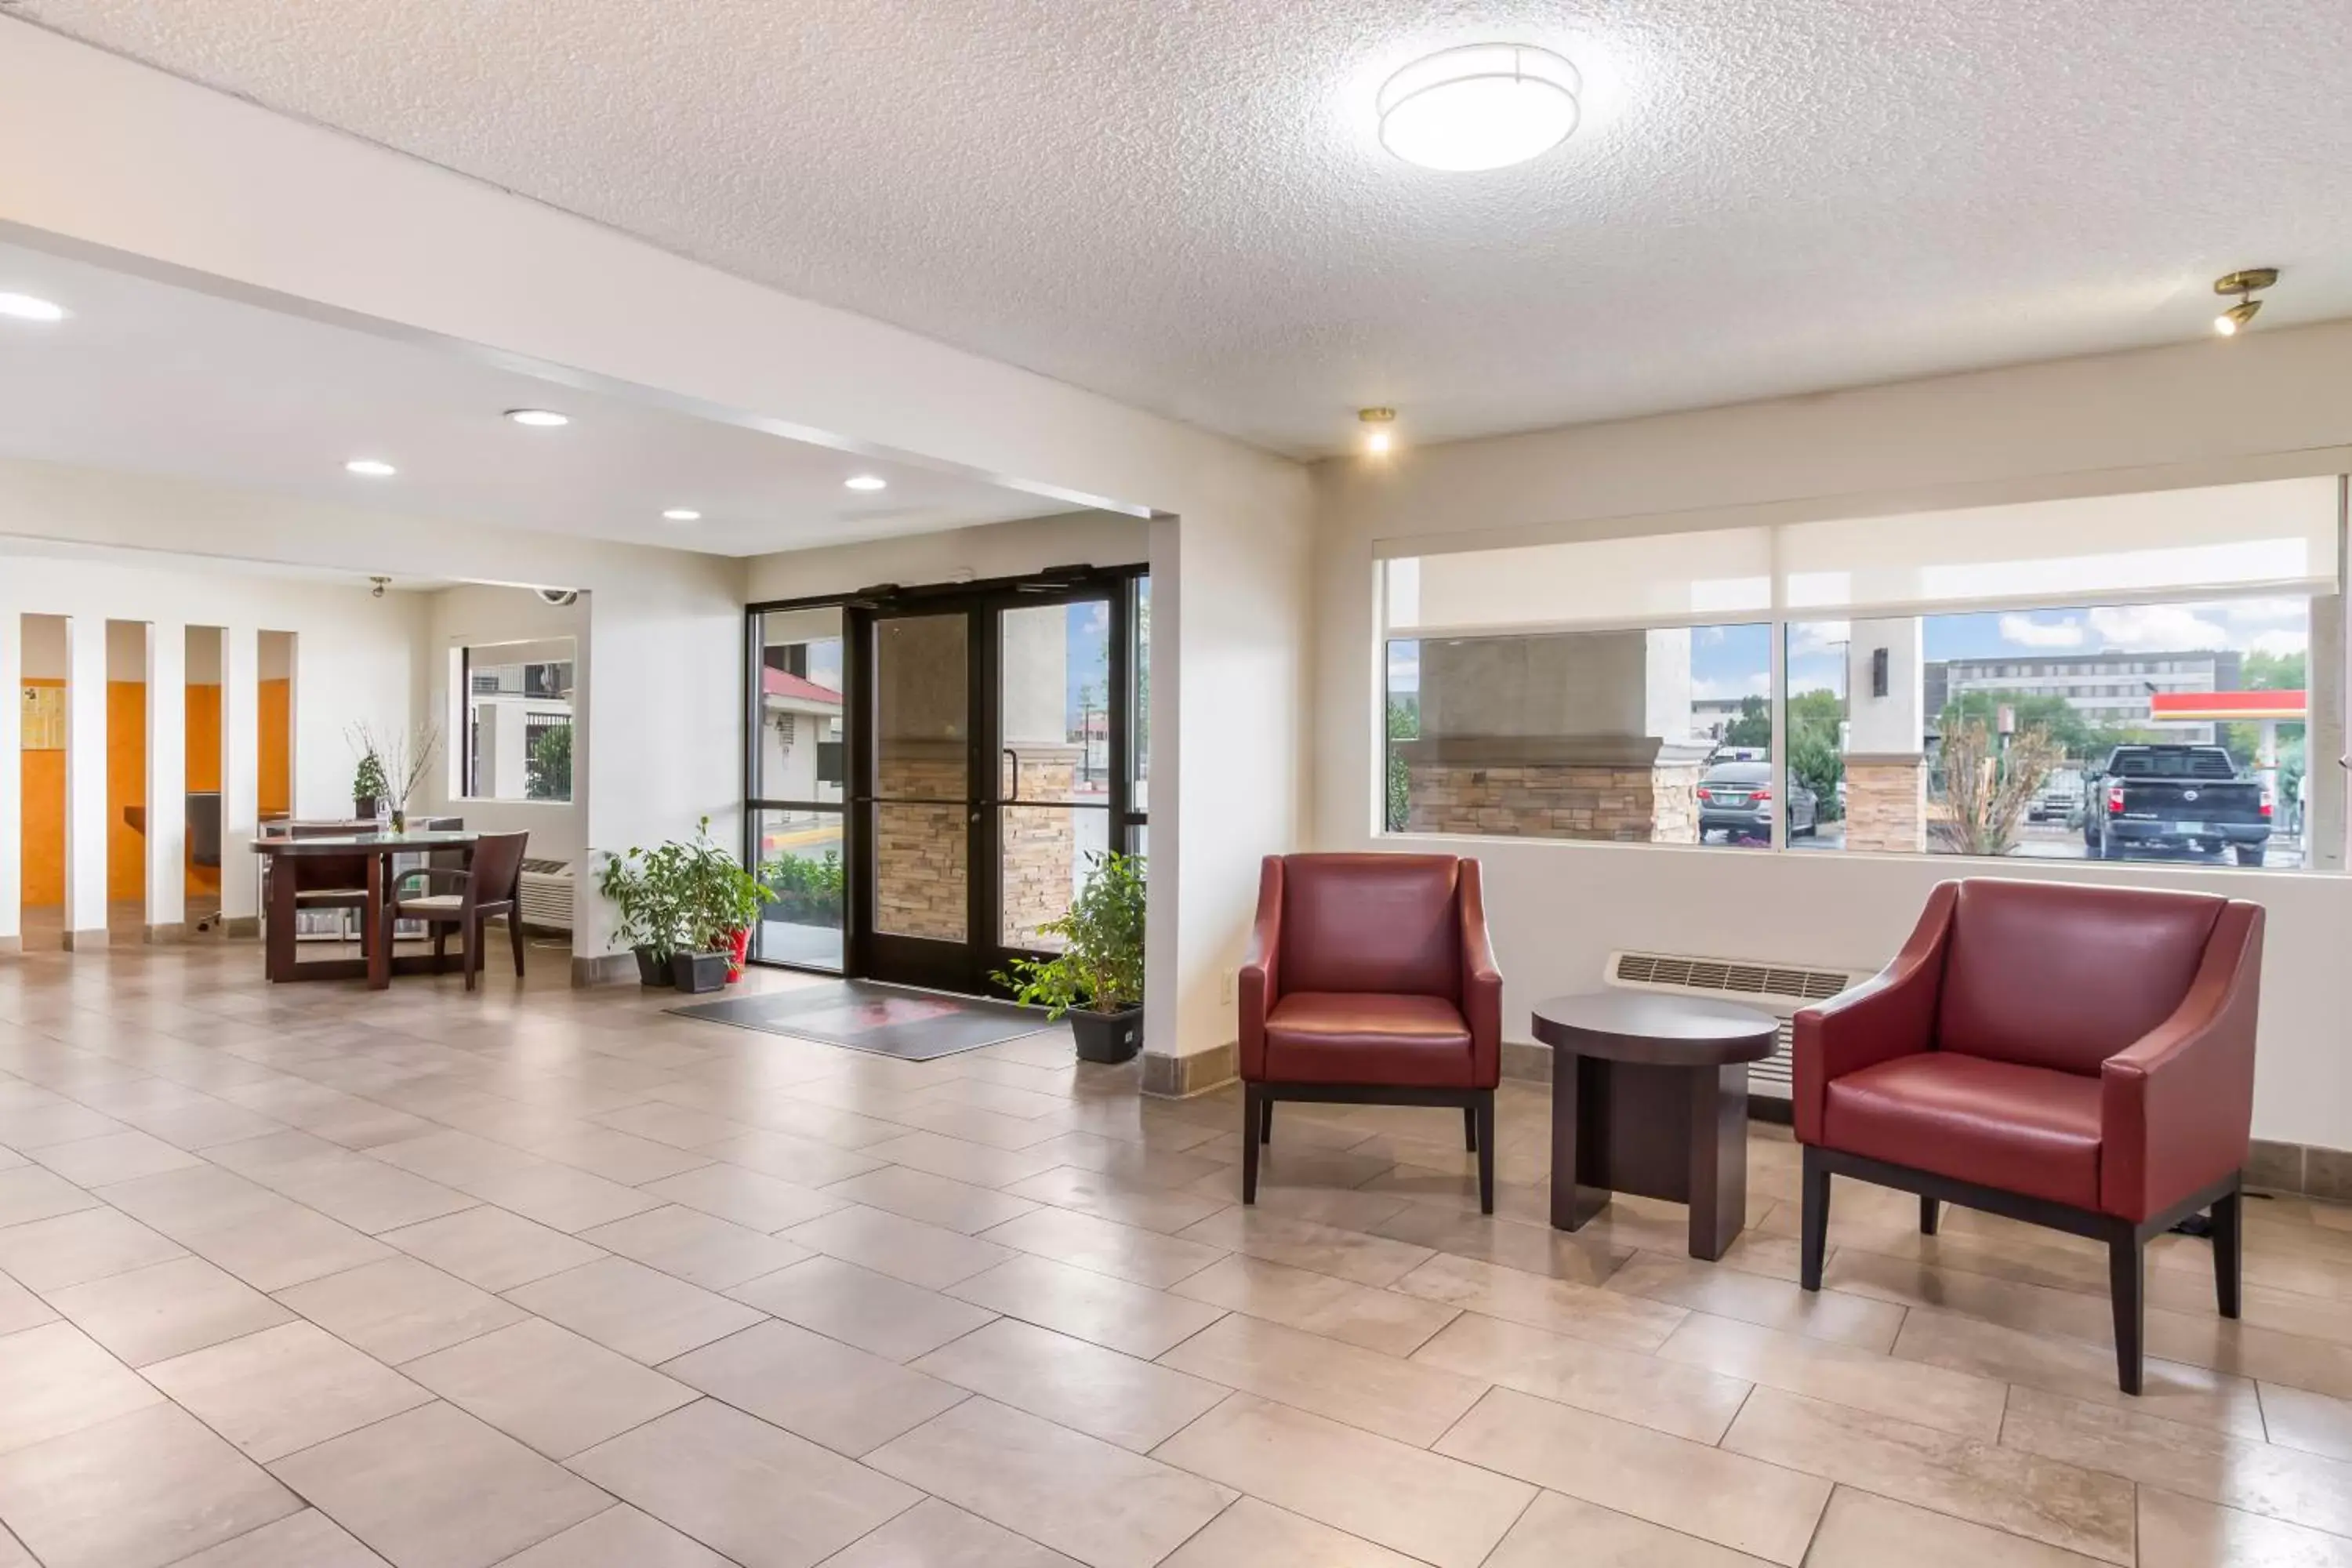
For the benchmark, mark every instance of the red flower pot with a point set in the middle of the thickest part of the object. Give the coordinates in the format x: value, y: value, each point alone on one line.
x: 739, y: 947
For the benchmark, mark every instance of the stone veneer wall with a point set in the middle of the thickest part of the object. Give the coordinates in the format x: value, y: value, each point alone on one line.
x: 923, y: 876
x: 1629, y: 790
x: 1040, y: 848
x: 1886, y: 803
x: 922, y: 883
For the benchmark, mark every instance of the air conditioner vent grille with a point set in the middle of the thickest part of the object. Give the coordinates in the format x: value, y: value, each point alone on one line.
x: 1730, y: 978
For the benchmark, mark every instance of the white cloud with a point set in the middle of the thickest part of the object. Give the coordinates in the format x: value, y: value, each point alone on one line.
x: 2150, y: 629
x: 1757, y: 685
x: 2264, y: 609
x: 2027, y: 632
x: 2279, y: 643
x: 1819, y: 637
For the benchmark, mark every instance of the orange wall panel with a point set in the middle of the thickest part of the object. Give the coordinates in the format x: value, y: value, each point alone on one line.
x: 43, y: 814
x: 126, y: 786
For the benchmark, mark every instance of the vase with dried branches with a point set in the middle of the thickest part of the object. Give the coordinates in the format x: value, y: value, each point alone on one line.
x: 1986, y: 787
x: 405, y: 755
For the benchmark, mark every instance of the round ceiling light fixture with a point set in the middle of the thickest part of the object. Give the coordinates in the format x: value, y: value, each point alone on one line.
x: 2244, y: 285
x: 681, y: 514
x: 867, y: 482
x: 370, y: 467
x: 28, y: 308
x: 1481, y: 106
x: 539, y: 418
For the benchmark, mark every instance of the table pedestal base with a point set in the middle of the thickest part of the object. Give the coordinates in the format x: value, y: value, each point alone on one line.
x: 1679, y: 1133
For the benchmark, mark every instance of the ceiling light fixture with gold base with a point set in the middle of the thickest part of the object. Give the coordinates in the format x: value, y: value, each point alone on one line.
x: 1378, y: 437
x: 2244, y: 285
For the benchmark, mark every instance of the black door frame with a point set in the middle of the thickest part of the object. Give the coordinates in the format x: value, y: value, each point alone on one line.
x: 967, y: 966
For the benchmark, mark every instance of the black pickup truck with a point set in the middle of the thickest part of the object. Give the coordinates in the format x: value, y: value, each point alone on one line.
x: 2175, y: 798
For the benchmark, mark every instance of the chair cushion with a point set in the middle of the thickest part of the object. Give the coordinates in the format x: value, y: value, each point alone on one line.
x: 2021, y: 1128
x: 2050, y: 976
x: 1322, y: 1036
x: 1388, y: 923
x: 432, y: 904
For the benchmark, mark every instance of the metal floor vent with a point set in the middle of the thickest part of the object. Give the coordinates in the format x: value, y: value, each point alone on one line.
x: 1778, y: 989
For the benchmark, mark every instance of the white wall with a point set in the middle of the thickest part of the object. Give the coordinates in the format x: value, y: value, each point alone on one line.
x: 2272, y: 403
x: 672, y: 621
x: 353, y: 656
x: 998, y: 550
x: 472, y: 615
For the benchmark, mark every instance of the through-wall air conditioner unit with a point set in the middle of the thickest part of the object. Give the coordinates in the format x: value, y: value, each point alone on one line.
x: 1780, y: 989
x: 546, y: 894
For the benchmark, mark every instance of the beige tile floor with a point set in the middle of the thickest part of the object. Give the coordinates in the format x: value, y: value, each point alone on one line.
x: 309, y: 1277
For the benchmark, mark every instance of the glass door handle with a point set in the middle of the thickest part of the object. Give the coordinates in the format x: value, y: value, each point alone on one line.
x: 1015, y: 798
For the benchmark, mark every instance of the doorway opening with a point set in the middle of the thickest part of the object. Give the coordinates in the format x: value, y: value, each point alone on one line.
x: 932, y: 770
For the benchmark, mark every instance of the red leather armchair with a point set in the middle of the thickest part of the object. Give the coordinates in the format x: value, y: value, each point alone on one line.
x: 1369, y: 979
x: 2081, y: 1058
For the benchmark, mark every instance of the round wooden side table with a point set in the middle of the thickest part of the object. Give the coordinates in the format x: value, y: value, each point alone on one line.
x: 1649, y: 1095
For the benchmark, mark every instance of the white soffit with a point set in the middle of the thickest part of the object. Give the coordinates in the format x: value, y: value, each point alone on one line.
x: 1186, y: 207
x: 148, y: 377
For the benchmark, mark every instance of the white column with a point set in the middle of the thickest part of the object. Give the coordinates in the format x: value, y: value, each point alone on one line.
x: 167, y: 780
x: 240, y: 778
x: 86, y: 825
x: 12, y: 781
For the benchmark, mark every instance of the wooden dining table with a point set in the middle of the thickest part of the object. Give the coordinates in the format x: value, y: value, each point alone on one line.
x: 377, y: 849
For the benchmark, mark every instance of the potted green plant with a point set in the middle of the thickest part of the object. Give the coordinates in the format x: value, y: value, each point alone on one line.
x: 719, y: 901
x: 645, y: 888
x: 1097, y: 980
x: 368, y: 784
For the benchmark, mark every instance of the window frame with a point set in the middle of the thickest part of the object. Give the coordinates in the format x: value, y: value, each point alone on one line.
x: 461, y: 752
x: 2323, y: 858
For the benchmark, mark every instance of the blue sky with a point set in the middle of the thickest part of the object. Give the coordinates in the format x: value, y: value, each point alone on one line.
x: 1736, y: 662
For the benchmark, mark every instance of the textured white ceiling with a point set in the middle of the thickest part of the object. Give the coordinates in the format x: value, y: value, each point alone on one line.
x: 1181, y: 205
x: 157, y: 379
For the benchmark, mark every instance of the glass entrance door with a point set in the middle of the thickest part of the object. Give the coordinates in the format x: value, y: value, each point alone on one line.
x: 995, y: 767
x: 921, y: 812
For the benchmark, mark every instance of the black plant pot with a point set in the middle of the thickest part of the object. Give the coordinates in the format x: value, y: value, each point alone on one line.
x: 696, y: 973
x: 363, y: 808
x: 1107, y: 1036
x: 653, y: 970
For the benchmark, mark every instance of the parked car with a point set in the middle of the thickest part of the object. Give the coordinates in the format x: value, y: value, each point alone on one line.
x: 2056, y: 804
x: 2174, y: 797
x: 1735, y: 799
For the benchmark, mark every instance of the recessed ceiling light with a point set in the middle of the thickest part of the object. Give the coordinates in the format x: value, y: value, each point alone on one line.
x: 26, y: 308
x: 682, y: 514
x: 539, y: 418
x: 371, y: 467
x: 1483, y: 106
x: 867, y: 482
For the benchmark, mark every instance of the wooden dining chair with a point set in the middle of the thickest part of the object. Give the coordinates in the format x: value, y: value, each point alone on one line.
x: 490, y: 885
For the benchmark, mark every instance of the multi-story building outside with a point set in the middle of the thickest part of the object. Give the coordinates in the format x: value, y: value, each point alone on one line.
x: 2108, y: 689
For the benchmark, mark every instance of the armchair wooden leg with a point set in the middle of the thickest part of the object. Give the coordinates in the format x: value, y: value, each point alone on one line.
x: 1470, y: 1129
x: 2125, y: 1275
x: 2229, y: 1251
x: 1927, y: 1217
x: 1815, y: 1226
x: 514, y: 937
x: 1265, y: 1123
x: 1482, y: 1139
x: 1256, y: 1119
x: 473, y: 940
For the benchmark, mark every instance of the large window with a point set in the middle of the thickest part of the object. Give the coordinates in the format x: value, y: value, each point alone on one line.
x: 2124, y: 676
x: 518, y: 719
